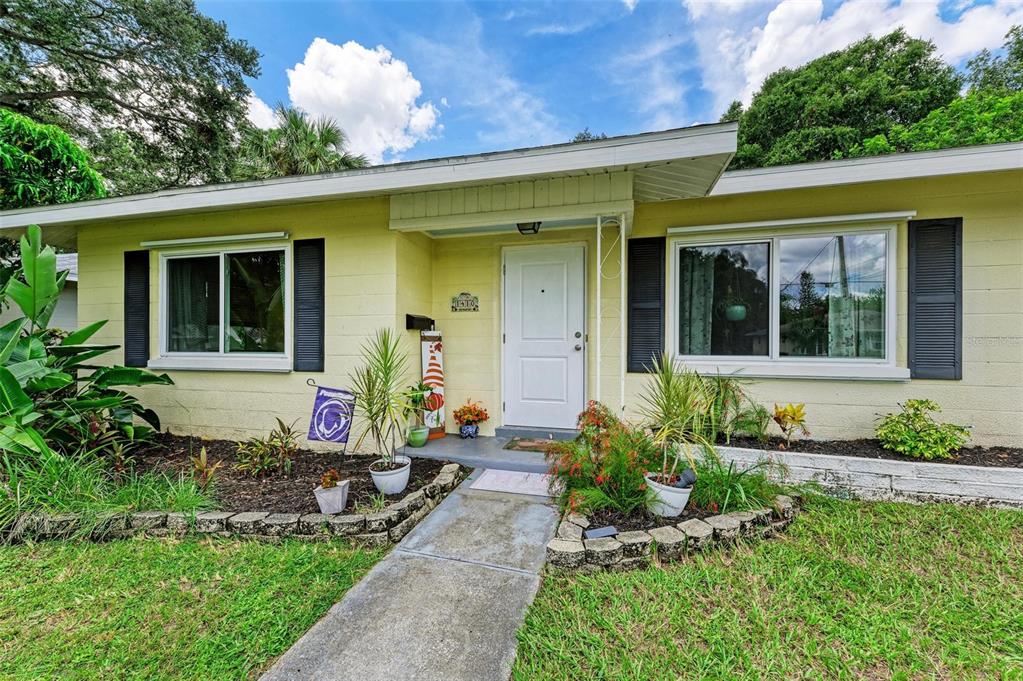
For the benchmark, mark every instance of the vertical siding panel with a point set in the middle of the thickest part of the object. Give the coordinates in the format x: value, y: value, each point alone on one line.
x: 458, y: 201
x: 586, y: 189
x: 484, y: 199
x: 601, y: 187
x: 540, y: 193
x: 513, y: 196
x: 432, y: 201
x: 420, y: 209
x: 526, y: 194
x: 557, y: 192
x: 571, y: 191
x: 621, y: 186
x: 444, y: 202
x: 471, y: 200
x: 499, y: 198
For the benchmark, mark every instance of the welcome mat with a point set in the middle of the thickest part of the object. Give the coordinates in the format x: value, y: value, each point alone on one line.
x: 490, y: 480
x: 527, y: 444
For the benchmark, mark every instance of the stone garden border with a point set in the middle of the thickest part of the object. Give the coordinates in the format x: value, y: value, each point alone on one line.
x: 375, y: 530
x: 891, y: 480
x: 636, y: 549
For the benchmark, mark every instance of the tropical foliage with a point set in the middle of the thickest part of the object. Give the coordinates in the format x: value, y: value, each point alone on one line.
x: 914, y: 432
x: 153, y: 89
x: 381, y: 402
x: 298, y: 145
x: 725, y: 487
x: 40, y: 164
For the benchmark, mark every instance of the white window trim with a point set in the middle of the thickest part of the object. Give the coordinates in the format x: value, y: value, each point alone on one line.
x: 773, y: 365
x: 222, y: 360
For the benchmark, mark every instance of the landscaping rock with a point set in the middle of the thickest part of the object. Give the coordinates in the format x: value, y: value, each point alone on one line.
x: 698, y: 534
x: 280, y: 524
x: 373, y: 540
x: 446, y: 481
x: 670, y: 542
x: 747, y: 522
x: 178, y: 522
x: 635, y: 544
x: 63, y: 525
x: 314, y: 523
x: 578, y: 519
x: 431, y: 490
x: 762, y: 516
x: 247, y: 523
x: 396, y: 533
x: 108, y: 524
x: 415, y: 501
x: 212, y: 521
x: 603, y: 551
x: 347, y: 525
x: 566, y: 554
x: 381, y: 522
x: 450, y: 468
x: 570, y: 531
x: 148, y: 520
x: 784, y: 507
x: 725, y: 528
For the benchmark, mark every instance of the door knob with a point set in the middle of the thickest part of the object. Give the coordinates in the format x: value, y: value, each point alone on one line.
x: 578, y: 334
x: 578, y: 347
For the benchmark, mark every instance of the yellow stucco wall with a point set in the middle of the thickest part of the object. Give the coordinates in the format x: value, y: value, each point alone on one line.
x: 361, y: 284
x: 990, y: 396
x: 376, y: 276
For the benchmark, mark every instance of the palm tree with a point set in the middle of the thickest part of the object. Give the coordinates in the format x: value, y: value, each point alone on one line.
x: 298, y: 145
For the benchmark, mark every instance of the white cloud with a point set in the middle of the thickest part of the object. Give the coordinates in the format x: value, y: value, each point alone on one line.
x: 259, y: 112
x: 740, y: 46
x: 478, y: 83
x: 630, y: 4
x: 560, y: 28
x: 371, y: 94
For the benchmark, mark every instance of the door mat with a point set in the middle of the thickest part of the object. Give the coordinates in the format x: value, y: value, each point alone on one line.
x: 536, y: 484
x: 527, y: 444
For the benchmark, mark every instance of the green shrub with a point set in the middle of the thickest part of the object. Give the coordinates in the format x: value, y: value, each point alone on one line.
x: 720, y: 488
x: 915, y: 433
x: 604, y: 467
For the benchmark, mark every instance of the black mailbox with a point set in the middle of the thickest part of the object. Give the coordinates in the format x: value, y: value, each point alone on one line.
x: 418, y: 322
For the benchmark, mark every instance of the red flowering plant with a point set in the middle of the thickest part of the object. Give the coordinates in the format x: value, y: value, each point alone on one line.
x: 603, y: 468
x: 471, y: 414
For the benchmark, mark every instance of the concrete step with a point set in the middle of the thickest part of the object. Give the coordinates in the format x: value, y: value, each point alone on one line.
x: 537, y: 433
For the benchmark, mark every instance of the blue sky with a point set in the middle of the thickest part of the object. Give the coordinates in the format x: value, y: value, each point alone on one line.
x: 416, y: 80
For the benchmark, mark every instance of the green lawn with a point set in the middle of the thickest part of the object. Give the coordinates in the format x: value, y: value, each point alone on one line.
x: 853, y: 590
x: 163, y: 609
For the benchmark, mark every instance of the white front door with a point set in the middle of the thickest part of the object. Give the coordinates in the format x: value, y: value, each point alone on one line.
x: 544, y: 335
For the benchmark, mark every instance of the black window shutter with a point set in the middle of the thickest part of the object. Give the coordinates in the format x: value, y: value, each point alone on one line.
x: 136, y: 308
x: 936, y: 298
x: 309, y: 303
x: 645, y: 302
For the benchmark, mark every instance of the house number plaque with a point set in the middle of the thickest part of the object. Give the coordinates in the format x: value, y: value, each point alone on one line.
x: 465, y: 302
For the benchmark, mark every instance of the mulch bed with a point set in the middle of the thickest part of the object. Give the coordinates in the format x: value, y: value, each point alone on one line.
x: 1005, y: 457
x: 641, y: 520
x: 276, y: 493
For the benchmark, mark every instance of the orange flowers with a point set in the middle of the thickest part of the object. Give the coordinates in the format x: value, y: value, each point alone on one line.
x: 470, y: 414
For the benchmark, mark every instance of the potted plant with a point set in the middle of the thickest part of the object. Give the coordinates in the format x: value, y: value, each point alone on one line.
x: 676, y: 407
x: 469, y: 417
x: 734, y: 306
x: 332, y: 493
x: 418, y: 400
x: 383, y: 405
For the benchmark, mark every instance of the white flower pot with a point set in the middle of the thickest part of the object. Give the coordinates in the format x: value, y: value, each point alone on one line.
x: 392, y: 482
x: 332, y: 499
x: 670, y: 501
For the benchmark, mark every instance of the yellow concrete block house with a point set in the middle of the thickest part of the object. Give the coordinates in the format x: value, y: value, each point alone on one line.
x: 849, y: 285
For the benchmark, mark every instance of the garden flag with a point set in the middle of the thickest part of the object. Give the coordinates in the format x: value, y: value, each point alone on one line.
x: 433, y: 376
x: 332, y: 415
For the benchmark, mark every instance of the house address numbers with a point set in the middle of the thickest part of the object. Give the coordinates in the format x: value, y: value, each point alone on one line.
x: 465, y: 302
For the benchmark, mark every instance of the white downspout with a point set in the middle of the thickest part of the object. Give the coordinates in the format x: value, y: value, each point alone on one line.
x: 600, y: 275
x: 621, y: 313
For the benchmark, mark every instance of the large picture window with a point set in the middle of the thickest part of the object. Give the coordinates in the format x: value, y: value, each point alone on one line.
x: 232, y: 303
x: 792, y: 298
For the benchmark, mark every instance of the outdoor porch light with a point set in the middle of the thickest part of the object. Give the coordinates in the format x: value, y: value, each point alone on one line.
x: 528, y: 227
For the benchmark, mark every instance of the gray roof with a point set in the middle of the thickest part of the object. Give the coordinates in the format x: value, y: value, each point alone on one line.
x: 69, y: 262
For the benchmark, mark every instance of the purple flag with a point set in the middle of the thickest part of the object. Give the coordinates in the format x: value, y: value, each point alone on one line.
x: 332, y: 415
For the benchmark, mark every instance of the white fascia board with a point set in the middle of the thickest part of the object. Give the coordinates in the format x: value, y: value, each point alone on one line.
x: 854, y: 219
x: 229, y: 239
x: 598, y: 156
x: 978, y: 159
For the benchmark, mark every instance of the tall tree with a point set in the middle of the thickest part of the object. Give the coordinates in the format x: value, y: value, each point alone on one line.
x: 999, y: 73
x: 826, y: 107
x: 41, y: 165
x: 298, y: 145
x: 153, y: 82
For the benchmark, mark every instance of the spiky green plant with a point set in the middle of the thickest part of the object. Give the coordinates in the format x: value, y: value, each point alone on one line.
x: 381, y: 401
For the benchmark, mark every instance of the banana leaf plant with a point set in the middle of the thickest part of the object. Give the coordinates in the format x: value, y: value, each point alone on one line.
x: 53, y: 397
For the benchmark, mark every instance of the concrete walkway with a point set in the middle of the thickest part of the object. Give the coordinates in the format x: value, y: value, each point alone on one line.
x: 443, y: 605
x: 482, y: 452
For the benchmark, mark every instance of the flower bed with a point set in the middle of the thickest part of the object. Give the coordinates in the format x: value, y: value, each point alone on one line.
x: 275, y: 492
x: 634, y: 549
x: 375, y: 529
